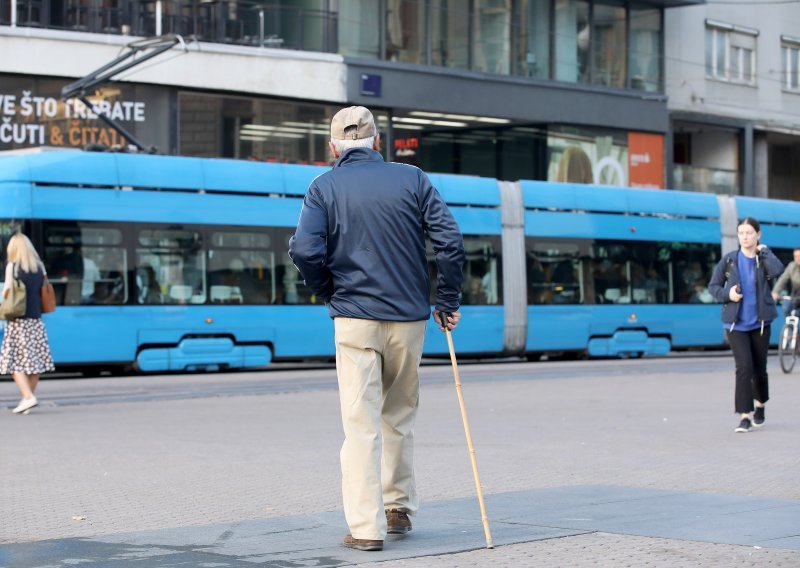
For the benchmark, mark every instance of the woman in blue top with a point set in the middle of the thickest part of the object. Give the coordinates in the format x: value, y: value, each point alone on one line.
x: 741, y: 283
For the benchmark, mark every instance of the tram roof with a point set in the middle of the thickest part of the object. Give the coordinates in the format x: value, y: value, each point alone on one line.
x: 177, y: 173
x: 604, y: 199
x: 769, y: 211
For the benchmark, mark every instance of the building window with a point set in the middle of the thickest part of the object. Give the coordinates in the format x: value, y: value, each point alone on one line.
x: 450, y: 36
x: 491, y: 31
x: 532, y: 41
x: 790, y: 58
x: 730, y: 53
x: 406, y: 31
x: 609, y: 57
x: 645, y: 49
x: 571, y: 42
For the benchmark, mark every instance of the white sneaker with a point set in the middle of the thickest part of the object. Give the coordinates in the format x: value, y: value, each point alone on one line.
x: 25, y: 404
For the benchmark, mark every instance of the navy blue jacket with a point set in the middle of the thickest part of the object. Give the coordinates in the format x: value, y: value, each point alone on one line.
x: 360, y: 240
x: 726, y: 276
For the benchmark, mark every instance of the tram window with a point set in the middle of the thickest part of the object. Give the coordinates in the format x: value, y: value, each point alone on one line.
x: 482, y: 271
x: 610, y: 273
x: 86, y: 264
x: 692, y: 267
x: 785, y: 255
x: 554, y: 272
x: 483, y: 278
x: 648, y: 274
x: 170, y: 267
x: 290, y: 285
x: 8, y: 228
x: 241, y: 268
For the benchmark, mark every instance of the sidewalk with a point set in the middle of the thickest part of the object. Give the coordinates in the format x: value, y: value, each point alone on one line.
x: 613, y: 469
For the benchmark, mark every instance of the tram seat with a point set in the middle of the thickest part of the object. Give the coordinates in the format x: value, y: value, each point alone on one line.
x: 221, y: 294
x: 180, y: 293
x: 612, y: 295
x: 639, y: 295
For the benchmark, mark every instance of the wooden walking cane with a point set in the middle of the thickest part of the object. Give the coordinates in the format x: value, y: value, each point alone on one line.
x: 445, y: 318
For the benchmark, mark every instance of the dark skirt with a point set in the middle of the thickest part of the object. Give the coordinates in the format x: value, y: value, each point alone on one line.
x: 25, y: 348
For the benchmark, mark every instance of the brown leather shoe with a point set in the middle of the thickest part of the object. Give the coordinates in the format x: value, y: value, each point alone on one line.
x: 397, y: 521
x: 362, y: 543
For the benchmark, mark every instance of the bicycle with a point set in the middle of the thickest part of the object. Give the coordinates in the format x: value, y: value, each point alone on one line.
x: 788, y: 346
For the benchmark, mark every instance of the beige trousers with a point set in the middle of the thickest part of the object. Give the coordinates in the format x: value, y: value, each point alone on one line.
x: 377, y: 363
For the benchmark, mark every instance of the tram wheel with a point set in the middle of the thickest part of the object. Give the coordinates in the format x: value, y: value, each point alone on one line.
x: 786, y: 353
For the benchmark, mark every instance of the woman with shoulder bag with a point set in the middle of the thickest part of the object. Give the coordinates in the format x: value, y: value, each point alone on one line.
x: 741, y: 283
x: 25, y: 353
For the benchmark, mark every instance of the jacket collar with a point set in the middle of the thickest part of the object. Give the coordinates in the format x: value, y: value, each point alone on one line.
x: 357, y: 155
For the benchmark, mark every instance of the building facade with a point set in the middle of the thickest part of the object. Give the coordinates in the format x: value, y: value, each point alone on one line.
x: 536, y: 89
x: 733, y: 82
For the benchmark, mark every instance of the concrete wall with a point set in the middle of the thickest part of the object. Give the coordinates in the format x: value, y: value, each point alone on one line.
x: 261, y: 71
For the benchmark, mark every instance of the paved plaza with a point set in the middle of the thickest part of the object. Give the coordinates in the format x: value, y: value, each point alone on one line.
x: 591, y: 463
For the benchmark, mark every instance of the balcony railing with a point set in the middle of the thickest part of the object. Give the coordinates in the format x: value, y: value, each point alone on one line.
x: 706, y: 180
x: 247, y: 22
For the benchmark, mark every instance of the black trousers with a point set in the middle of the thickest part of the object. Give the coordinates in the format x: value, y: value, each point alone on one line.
x: 750, y: 354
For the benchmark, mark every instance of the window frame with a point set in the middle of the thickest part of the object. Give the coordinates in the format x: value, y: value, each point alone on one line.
x: 735, y: 57
x: 790, y: 45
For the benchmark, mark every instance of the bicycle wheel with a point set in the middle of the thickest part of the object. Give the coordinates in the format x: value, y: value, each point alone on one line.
x: 786, y: 353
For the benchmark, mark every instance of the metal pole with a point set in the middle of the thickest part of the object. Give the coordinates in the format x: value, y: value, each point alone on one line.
x: 261, y: 26
x: 158, y: 17
x: 13, y: 13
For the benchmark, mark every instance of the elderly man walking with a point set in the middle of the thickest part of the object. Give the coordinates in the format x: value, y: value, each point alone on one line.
x: 360, y: 246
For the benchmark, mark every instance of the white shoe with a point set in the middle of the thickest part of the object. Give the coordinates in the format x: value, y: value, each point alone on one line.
x: 25, y: 404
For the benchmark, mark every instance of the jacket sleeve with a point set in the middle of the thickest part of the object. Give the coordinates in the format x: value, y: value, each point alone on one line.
x: 780, y: 284
x: 448, y: 246
x: 717, y: 286
x: 308, y: 248
x: 772, y: 264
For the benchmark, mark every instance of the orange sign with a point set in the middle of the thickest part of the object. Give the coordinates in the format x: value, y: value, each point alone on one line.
x: 646, y: 160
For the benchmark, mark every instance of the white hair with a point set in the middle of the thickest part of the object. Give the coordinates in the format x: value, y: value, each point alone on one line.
x: 343, y: 145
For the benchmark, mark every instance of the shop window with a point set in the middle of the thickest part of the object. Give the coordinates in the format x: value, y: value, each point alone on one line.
x: 587, y: 155
x: 730, y: 53
x: 790, y: 59
x: 259, y: 129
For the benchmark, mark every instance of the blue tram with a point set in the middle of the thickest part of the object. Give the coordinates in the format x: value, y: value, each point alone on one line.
x: 171, y: 263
